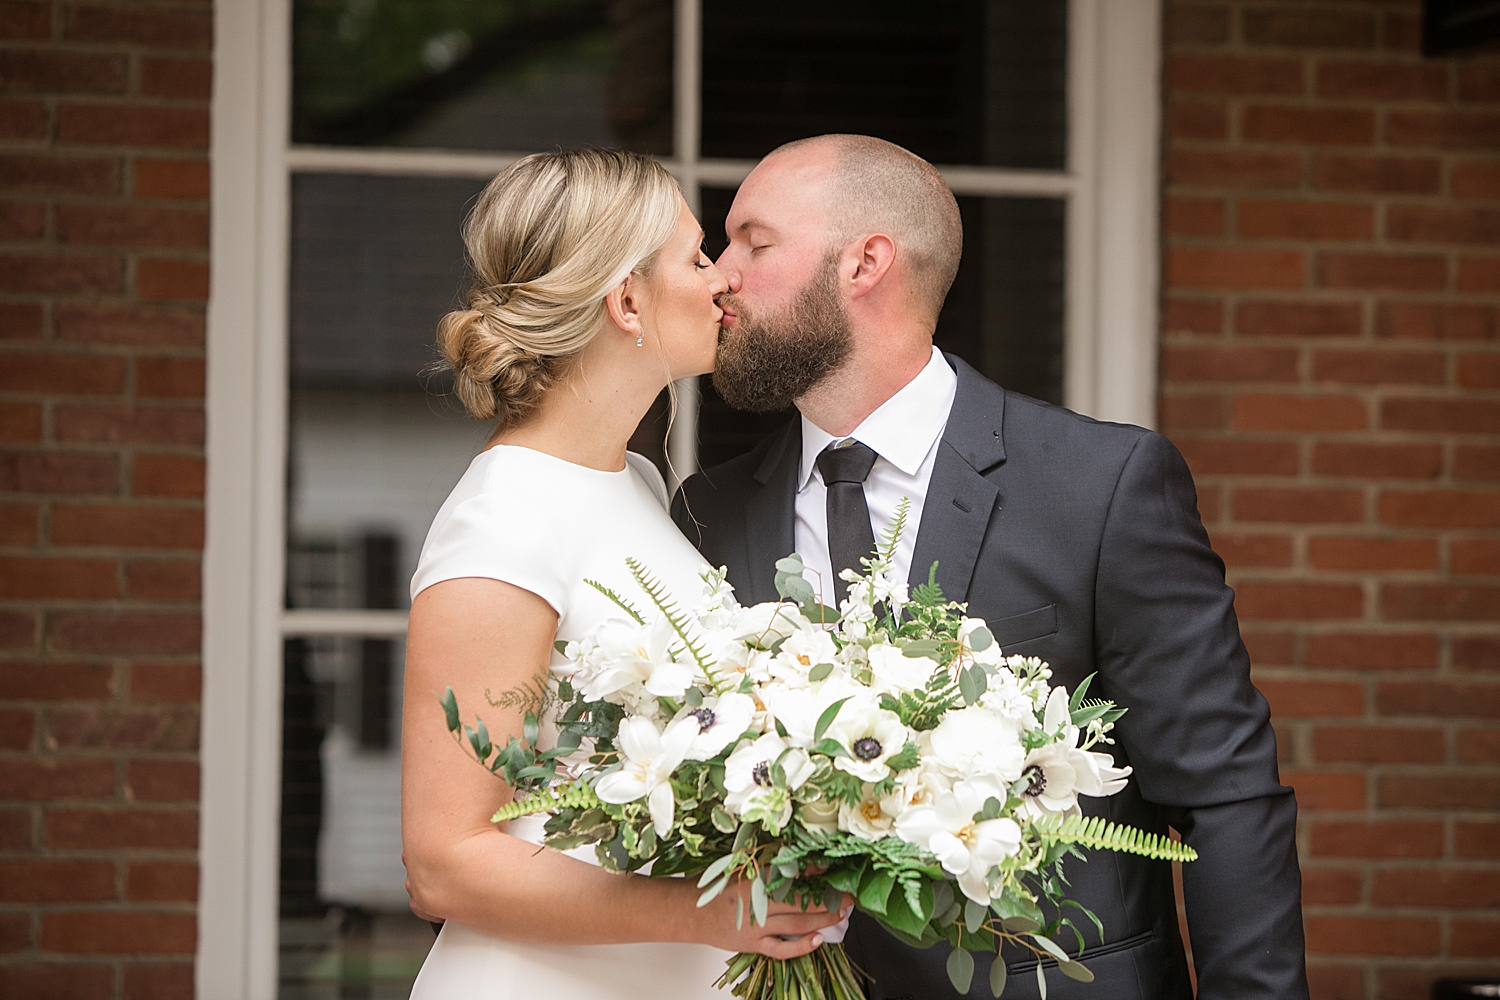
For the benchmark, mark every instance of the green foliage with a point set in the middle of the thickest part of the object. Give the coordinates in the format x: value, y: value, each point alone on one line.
x: 572, y: 795
x: 923, y: 710
x: 678, y: 619
x: 1099, y: 834
x: 619, y: 601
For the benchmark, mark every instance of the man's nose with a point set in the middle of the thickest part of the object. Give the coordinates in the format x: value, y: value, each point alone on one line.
x: 731, y: 273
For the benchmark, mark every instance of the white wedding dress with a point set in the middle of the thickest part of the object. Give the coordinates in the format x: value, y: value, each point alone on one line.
x: 546, y: 525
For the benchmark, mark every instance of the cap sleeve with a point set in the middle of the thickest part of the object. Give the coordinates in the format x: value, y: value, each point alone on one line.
x: 497, y: 537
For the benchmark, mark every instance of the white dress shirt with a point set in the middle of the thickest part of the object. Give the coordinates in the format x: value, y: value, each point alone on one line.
x: 904, y: 433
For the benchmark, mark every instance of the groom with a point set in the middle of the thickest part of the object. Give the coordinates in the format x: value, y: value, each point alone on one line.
x: 1078, y: 541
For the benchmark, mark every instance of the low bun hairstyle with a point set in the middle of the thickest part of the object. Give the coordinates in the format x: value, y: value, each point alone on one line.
x: 548, y: 239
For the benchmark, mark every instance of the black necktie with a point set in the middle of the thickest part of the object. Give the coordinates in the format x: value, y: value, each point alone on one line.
x: 850, y: 537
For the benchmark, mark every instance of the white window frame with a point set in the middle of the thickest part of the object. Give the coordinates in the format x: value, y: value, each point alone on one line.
x: 1110, y: 364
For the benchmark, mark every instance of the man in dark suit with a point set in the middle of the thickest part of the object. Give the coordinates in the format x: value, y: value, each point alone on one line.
x: 1078, y: 541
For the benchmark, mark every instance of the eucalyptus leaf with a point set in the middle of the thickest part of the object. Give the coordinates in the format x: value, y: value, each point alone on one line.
x: 739, y: 913
x: 1020, y: 925
x: 820, y: 614
x: 799, y: 590
x: 693, y: 697
x: 969, y: 687
x: 759, y: 902
x: 974, y: 914
x: 820, y: 672
x: 960, y: 969
x: 715, y: 870
x: 998, y: 973
x: 826, y: 719
x: 712, y: 893
x: 790, y: 564
x: 450, y: 710
x: 1041, y: 982
x: 1051, y: 947
x: 981, y: 639
x: 1076, y: 970
x: 942, y: 895
x: 921, y: 647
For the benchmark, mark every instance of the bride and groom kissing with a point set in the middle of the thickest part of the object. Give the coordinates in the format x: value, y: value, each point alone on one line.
x: 1078, y: 541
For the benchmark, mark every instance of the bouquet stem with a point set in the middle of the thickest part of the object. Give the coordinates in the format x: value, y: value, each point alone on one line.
x: 825, y: 974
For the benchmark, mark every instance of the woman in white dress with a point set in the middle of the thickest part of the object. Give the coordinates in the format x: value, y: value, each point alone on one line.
x: 591, y: 294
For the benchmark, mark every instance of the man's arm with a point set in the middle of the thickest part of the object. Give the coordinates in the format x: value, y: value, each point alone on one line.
x: 1197, y: 732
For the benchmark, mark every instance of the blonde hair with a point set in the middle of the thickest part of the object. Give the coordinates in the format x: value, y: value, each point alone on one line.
x: 549, y: 237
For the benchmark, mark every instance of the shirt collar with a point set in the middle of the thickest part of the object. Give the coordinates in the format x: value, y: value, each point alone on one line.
x: 903, y: 429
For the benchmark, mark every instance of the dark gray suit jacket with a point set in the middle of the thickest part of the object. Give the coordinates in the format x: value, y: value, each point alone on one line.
x: 1080, y: 542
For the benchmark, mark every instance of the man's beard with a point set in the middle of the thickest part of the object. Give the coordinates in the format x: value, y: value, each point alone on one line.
x: 769, y: 362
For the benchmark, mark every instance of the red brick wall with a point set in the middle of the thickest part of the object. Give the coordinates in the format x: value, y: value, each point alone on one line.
x: 103, y: 276
x: 1331, y: 369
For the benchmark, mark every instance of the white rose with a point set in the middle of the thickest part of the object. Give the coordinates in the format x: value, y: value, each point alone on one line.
x: 893, y: 671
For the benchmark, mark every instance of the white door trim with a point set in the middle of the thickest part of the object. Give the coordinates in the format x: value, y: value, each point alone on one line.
x: 242, y: 559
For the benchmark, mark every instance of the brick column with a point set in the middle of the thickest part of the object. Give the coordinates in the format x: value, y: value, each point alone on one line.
x: 103, y: 276
x: 1330, y: 369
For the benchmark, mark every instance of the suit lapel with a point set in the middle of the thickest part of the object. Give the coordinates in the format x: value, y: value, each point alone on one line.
x: 770, y: 515
x: 960, y: 499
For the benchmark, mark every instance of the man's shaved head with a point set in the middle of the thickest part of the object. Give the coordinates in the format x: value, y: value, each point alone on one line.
x: 876, y: 186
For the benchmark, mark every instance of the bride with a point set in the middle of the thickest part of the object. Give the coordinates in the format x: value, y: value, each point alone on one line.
x: 591, y: 294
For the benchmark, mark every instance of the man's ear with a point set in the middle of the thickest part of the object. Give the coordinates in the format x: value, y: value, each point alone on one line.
x: 623, y: 303
x: 873, y: 257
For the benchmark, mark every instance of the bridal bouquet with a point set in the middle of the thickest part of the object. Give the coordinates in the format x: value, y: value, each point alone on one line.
x: 888, y: 750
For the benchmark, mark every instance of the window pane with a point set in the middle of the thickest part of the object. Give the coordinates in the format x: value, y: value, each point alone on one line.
x: 514, y: 75
x: 1004, y: 314
x: 375, y: 445
x: 955, y: 81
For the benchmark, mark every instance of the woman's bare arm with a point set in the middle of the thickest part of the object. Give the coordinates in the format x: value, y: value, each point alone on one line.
x: 477, y: 634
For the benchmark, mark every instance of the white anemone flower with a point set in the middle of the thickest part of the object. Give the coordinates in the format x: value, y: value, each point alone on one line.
x: 748, y: 770
x: 721, y: 720
x: 650, y: 759
x: 1058, y: 773
x: 872, y: 735
x: 892, y: 671
x: 965, y: 847
x: 630, y: 654
x: 977, y: 741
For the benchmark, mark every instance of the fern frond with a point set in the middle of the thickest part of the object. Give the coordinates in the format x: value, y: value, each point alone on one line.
x: 890, y: 536
x: 624, y: 604
x: 676, y: 618
x: 573, y: 795
x: 1099, y: 834
x: 533, y: 696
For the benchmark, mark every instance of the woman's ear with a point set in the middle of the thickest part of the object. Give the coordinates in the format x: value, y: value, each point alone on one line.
x: 623, y: 303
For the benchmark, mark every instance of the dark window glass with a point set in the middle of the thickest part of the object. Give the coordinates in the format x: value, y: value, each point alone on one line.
x: 1004, y: 314
x: 514, y: 75
x: 954, y: 81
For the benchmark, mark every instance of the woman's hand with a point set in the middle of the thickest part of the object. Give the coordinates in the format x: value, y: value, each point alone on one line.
x: 789, y: 930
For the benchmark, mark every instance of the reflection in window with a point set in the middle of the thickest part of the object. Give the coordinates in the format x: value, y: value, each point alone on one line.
x: 1004, y: 314
x: 954, y: 81
x: 515, y: 75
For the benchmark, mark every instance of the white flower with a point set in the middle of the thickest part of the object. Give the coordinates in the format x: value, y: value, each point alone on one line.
x: 748, y: 769
x: 819, y: 814
x: 990, y: 654
x: 964, y: 846
x: 872, y: 818
x: 765, y: 624
x: 721, y: 720
x: 976, y: 741
x: 802, y: 651
x: 650, y: 759
x: 719, y: 605
x: 628, y: 654
x: 799, y: 708
x: 1056, y: 774
x: 891, y: 670
x: 871, y: 735
x: 1005, y: 695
